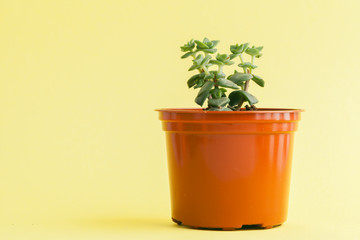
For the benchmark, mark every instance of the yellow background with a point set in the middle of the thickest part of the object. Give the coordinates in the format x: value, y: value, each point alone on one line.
x: 82, y: 154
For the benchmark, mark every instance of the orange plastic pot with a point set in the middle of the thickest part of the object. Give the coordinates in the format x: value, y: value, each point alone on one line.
x: 229, y: 170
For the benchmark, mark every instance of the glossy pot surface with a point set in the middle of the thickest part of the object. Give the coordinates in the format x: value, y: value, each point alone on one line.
x: 229, y: 169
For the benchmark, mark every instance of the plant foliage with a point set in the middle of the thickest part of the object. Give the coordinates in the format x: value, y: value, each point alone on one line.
x: 213, y: 84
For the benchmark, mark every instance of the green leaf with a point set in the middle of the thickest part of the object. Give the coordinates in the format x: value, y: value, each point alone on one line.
x: 199, y: 83
x: 222, y: 57
x: 216, y: 93
x: 252, y: 51
x: 235, y: 98
x: 209, y: 76
x: 194, y: 66
x: 258, y: 80
x: 232, y: 56
x: 188, y: 46
x: 201, y: 45
x: 239, y: 78
x: 247, y: 65
x: 227, y: 83
x: 213, y: 61
x: 192, y: 81
x: 204, y: 93
x: 206, y: 40
x: 187, y: 54
x: 199, y: 58
x: 219, y: 102
x: 229, y: 63
x: 220, y: 75
x: 239, y: 96
x: 245, y: 47
x: 205, y: 60
x: 215, y: 42
x: 235, y: 49
x: 212, y: 50
x: 260, y: 48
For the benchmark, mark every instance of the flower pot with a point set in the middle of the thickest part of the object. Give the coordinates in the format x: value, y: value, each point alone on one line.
x: 229, y: 170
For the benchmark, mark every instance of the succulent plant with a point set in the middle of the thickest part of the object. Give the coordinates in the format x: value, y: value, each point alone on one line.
x: 213, y: 83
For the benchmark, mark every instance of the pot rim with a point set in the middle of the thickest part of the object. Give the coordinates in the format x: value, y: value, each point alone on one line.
x: 198, y: 110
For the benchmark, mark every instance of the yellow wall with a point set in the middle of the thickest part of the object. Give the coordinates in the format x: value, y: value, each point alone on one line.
x: 79, y: 81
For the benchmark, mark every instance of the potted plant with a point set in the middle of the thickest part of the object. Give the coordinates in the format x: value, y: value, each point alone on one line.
x: 229, y: 162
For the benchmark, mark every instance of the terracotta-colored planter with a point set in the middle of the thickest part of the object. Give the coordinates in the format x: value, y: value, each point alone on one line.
x: 229, y: 170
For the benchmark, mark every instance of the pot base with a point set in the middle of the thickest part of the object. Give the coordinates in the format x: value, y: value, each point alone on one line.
x: 243, y: 227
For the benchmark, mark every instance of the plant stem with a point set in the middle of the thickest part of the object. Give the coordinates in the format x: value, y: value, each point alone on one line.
x: 238, y: 108
x: 249, y: 72
x: 241, y: 58
x: 246, y: 87
x: 193, y: 55
x: 220, y: 68
x: 205, y: 70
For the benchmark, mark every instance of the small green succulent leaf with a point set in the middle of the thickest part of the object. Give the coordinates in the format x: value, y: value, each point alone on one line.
x: 192, y: 81
x: 235, y: 49
x: 188, y: 46
x: 252, y: 51
x: 250, y: 98
x: 201, y: 45
x: 204, y: 93
x: 227, y: 83
x: 239, y: 96
x: 205, y: 60
x: 209, y: 76
x: 245, y: 46
x: 199, y: 58
x: 187, y: 54
x: 215, y: 42
x: 258, y: 80
x: 232, y: 74
x: 234, y: 55
x: 218, y: 102
x: 235, y: 98
x: 211, y: 50
x: 229, y: 63
x: 260, y: 48
x: 199, y: 83
x: 247, y: 65
x: 216, y: 93
x: 213, y: 61
x: 239, y: 78
x: 222, y: 57
x: 220, y: 75
x: 194, y: 66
